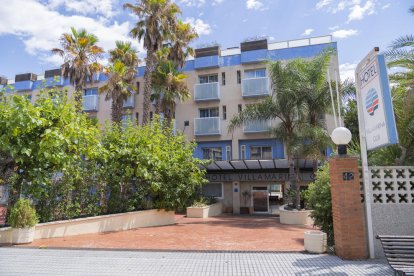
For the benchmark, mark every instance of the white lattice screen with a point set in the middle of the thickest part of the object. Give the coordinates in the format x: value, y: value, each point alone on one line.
x: 392, y: 185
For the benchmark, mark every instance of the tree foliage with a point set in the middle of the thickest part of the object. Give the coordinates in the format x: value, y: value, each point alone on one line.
x: 318, y: 199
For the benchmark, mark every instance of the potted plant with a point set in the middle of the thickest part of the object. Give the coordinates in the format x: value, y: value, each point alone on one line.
x: 204, y: 207
x: 246, y: 197
x: 288, y: 212
x: 23, y: 219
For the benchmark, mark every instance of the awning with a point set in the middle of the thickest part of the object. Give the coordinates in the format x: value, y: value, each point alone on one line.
x: 270, y: 164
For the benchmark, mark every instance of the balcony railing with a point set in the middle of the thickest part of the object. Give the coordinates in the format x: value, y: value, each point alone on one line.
x: 207, y: 91
x: 255, y: 87
x: 207, y: 126
x: 256, y: 126
x: 90, y: 103
x: 129, y: 102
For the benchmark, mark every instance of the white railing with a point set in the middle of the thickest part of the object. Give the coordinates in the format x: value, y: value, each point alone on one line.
x: 129, y: 102
x: 256, y: 126
x: 90, y: 102
x: 255, y: 87
x: 207, y: 91
x: 207, y: 126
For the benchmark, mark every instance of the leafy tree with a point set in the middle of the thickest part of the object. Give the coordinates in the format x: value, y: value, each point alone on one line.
x: 318, y: 199
x: 169, y: 86
x: 41, y: 139
x: 179, y: 48
x: 80, y: 53
x: 156, y: 24
x: 288, y: 103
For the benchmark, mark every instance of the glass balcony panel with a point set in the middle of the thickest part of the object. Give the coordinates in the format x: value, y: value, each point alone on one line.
x: 256, y: 126
x: 254, y: 87
x: 207, y: 91
x: 207, y: 126
x: 90, y: 102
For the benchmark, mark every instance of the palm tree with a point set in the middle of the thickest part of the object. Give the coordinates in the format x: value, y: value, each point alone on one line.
x: 121, y: 74
x: 80, y: 53
x: 118, y: 87
x: 179, y: 49
x: 290, y: 81
x: 157, y: 20
x: 169, y: 86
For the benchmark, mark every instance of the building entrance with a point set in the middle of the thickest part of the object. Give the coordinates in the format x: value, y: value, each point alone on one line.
x: 266, y: 198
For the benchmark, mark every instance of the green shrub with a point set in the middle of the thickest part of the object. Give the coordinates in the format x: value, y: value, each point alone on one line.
x: 23, y: 215
x: 204, y: 201
x: 318, y: 199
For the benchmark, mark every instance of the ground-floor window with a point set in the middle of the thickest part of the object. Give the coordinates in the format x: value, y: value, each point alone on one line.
x: 260, y: 152
x: 213, y: 190
x: 215, y: 154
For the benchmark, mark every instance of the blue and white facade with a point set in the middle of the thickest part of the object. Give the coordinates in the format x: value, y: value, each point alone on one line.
x: 249, y: 168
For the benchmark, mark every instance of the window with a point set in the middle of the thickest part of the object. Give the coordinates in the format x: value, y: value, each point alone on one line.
x: 260, y: 152
x: 243, y: 152
x: 228, y: 153
x: 224, y: 112
x: 213, y: 154
x: 126, y: 119
x: 151, y: 115
x: 137, y: 117
x: 208, y: 79
x: 91, y: 91
x: 240, y: 108
x: 238, y: 77
x: 213, y: 190
x: 137, y: 88
x: 223, y: 78
x: 257, y: 73
x: 209, y: 112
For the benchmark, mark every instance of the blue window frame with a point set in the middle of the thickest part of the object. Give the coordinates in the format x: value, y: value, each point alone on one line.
x: 91, y: 91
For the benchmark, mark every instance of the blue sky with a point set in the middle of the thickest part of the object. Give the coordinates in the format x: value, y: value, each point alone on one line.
x: 30, y: 28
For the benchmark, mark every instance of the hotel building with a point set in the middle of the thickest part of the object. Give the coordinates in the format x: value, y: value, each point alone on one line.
x: 249, y: 169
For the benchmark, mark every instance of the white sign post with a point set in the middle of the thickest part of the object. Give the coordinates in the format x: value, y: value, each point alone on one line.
x: 376, y: 120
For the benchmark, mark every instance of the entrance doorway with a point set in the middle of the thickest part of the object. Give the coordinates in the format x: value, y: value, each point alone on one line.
x: 266, y: 199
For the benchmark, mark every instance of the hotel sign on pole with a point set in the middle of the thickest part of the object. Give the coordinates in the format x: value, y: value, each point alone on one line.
x: 376, y: 103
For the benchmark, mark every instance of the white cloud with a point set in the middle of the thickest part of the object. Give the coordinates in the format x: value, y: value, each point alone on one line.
x: 334, y: 28
x: 347, y: 71
x: 199, y: 25
x: 322, y: 3
x: 358, y: 12
x: 386, y: 6
x: 308, y: 31
x: 26, y: 20
x: 344, y: 33
x: 217, y: 2
x: 193, y: 3
x: 86, y: 7
x: 254, y: 5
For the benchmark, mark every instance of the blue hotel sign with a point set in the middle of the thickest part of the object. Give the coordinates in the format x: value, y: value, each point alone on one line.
x: 376, y: 104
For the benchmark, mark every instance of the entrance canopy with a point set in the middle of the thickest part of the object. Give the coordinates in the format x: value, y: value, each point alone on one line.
x: 234, y: 165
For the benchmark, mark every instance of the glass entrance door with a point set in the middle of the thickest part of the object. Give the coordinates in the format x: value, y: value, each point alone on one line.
x: 260, y: 198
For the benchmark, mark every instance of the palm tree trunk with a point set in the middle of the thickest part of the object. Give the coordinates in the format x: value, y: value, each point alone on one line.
x: 116, y: 112
x: 78, y: 98
x: 158, y: 106
x: 148, y: 86
x: 292, y: 180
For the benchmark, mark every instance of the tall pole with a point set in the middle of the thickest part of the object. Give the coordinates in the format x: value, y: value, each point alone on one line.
x: 364, y: 157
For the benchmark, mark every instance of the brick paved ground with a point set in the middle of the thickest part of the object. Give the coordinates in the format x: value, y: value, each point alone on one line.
x: 25, y: 261
x: 241, y: 233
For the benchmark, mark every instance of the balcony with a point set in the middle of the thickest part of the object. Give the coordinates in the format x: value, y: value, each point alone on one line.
x: 256, y: 126
x: 206, y: 62
x: 23, y: 85
x: 129, y: 102
x: 255, y: 87
x: 90, y: 103
x: 207, y: 126
x: 207, y: 91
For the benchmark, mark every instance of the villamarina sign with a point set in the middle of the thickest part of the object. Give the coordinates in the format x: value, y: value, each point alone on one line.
x: 258, y: 177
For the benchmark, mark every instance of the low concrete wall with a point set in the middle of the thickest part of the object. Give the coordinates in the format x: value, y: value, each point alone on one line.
x: 205, y: 211
x: 294, y: 217
x: 391, y: 219
x: 99, y: 224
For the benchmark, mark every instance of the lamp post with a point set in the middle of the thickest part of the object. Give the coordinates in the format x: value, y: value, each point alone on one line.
x: 341, y: 136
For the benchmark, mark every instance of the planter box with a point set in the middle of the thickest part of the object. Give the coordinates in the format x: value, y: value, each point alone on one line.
x: 99, y: 224
x: 23, y: 235
x: 315, y: 241
x: 294, y: 216
x: 205, y: 211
